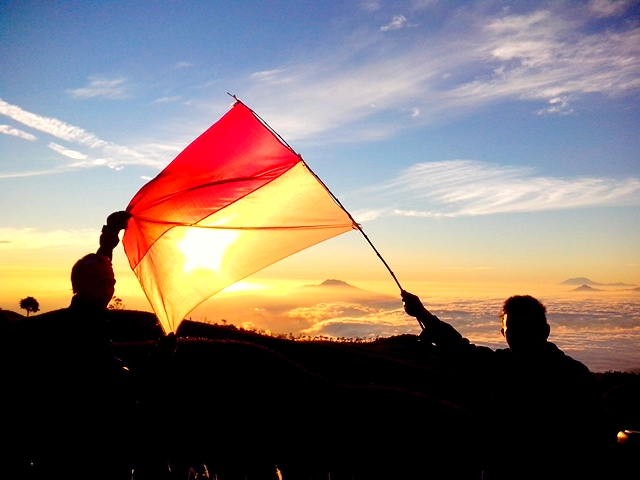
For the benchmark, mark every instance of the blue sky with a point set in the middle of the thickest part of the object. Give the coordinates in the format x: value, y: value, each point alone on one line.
x: 474, y: 141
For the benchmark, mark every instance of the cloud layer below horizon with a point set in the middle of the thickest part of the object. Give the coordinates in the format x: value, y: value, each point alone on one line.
x: 585, y: 327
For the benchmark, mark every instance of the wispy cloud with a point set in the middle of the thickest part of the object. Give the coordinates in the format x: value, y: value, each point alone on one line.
x: 397, y: 22
x: 15, y: 132
x: 24, y: 239
x: 370, y: 5
x: 373, y: 85
x: 608, y: 8
x: 467, y: 187
x: 558, y: 105
x: 113, y: 89
x: 67, y: 152
x: 278, y: 76
x: 51, y: 126
x: 166, y: 100
x: 30, y: 173
x: 543, y: 57
x: 110, y: 154
x: 181, y: 65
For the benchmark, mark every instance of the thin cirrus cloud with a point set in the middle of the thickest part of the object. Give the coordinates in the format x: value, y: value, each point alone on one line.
x: 374, y: 84
x: 397, y: 22
x: 542, y: 57
x: 16, y: 132
x: 67, y: 152
x: 21, y: 239
x: 111, y: 154
x: 608, y: 8
x: 467, y: 187
x: 181, y: 65
x: 113, y: 89
x: 161, y: 100
x: 51, y: 126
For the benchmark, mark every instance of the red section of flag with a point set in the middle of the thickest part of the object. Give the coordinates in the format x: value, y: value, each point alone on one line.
x: 234, y: 157
x: 235, y: 201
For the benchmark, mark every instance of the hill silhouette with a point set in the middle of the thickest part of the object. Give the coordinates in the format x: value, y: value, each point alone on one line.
x: 233, y: 398
x: 10, y: 316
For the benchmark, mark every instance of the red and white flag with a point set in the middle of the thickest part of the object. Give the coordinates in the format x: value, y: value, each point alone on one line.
x: 236, y: 200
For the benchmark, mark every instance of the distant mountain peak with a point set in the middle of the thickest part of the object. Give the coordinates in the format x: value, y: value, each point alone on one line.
x: 331, y: 282
x: 579, y: 281
x: 585, y: 281
x: 586, y: 288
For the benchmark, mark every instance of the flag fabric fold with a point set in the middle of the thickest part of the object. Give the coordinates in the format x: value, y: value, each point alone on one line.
x: 235, y: 201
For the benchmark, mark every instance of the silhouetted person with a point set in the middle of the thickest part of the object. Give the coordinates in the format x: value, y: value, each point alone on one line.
x: 74, y: 401
x: 540, y: 406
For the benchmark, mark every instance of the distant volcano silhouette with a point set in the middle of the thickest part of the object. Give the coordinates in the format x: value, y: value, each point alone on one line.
x: 583, y: 281
x: 335, y: 283
x: 341, y: 290
x: 586, y: 288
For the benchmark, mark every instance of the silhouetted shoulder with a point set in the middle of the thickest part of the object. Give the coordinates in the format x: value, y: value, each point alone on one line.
x: 560, y: 360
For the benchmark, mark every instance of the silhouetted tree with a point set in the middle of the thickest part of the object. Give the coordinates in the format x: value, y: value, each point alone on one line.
x: 29, y: 304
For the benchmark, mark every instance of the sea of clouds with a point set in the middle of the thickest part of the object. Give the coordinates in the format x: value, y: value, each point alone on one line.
x: 601, y: 330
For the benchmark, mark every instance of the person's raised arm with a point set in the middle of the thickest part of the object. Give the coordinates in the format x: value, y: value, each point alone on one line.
x: 109, y: 237
x: 434, y: 330
x: 414, y: 307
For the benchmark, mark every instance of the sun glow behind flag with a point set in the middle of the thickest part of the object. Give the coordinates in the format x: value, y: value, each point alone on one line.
x: 235, y: 201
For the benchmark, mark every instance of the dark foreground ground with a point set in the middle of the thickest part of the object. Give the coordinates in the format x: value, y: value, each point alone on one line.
x: 244, y: 404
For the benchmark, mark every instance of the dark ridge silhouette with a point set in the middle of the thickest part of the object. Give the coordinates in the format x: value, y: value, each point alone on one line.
x: 240, y: 403
x: 134, y: 326
x: 7, y: 316
x: 126, y: 325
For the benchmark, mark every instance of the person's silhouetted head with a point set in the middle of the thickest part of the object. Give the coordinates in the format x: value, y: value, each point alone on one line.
x: 524, y: 323
x: 93, y: 280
